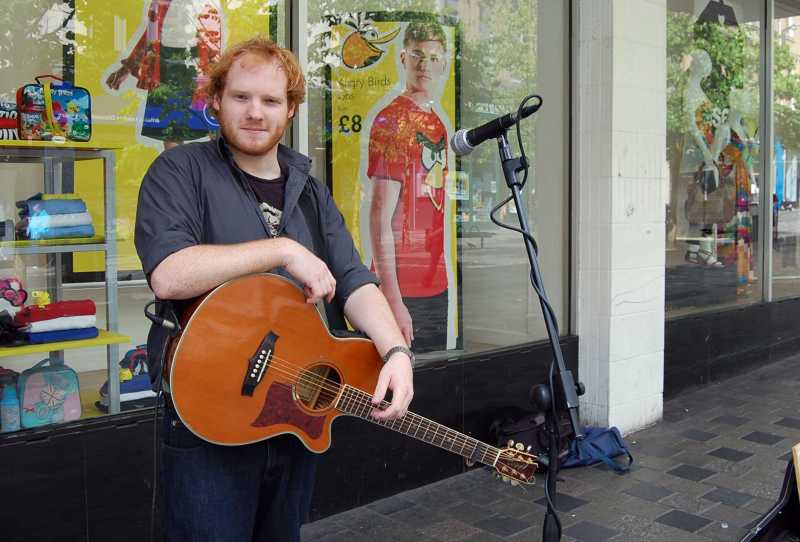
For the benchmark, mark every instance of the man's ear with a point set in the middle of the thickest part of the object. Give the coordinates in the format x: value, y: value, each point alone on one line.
x: 403, y: 57
x: 215, y: 103
x: 292, y: 110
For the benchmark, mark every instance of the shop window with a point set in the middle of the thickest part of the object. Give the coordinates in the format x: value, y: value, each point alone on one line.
x: 141, y: 61
x: 785, y: 171
x: 390, y: 84
x: 713, y: 210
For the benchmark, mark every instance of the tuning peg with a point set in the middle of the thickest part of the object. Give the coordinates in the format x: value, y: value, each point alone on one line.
x: 520, y: 446
x: 510, y: 443
x: 529, y: 448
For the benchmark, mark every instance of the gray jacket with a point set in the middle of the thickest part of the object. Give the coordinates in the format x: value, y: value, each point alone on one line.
x: 196, y: 194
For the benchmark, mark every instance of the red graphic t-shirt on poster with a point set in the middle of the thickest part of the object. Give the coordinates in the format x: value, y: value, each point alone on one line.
x: 408, y: 144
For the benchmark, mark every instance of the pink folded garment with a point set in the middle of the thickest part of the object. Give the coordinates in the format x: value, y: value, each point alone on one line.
x: 59, y: 309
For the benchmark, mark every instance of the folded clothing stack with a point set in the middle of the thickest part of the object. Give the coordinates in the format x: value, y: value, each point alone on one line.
x: 135, y: 388
x: 59, y: 321
x: 48, y: 217
x: 134, y: 392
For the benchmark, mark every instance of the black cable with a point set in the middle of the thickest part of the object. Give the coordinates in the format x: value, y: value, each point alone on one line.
x: 156, y: 464
x: 553, y: 455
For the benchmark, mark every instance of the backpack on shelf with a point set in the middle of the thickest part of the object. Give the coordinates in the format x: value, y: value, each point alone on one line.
x: 48, y: 393
x: 48, y: 111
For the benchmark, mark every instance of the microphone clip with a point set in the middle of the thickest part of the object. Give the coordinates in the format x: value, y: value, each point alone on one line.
x: 511, y: 167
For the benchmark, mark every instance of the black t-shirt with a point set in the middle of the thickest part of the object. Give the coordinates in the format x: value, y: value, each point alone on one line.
x: 270, y: 193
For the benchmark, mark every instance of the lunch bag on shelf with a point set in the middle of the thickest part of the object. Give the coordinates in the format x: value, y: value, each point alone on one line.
x: 47, y: 111
x: 48, y: 393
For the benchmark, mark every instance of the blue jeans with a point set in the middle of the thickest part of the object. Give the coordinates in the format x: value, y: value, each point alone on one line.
x: 258, y: 492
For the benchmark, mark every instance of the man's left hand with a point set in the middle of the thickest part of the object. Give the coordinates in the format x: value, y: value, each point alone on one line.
x: 397, y: 375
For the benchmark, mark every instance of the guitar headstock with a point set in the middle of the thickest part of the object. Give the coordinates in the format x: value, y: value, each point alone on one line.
x: 516, y: 465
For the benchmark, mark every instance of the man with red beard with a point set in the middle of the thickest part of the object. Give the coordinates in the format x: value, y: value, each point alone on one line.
x: 212, y: 211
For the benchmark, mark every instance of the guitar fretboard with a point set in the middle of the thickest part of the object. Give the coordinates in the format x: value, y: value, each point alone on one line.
x: 359, y: 403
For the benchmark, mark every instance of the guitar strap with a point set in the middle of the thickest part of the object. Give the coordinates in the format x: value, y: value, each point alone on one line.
x: 309, y: 204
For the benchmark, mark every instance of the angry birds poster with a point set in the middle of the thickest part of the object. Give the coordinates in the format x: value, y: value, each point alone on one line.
x: 393, y: 92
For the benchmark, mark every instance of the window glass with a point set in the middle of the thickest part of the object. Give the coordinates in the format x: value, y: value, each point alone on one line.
x: 786, y: 122
x: 390, y: 84
x: 132, y: 70
x: 713, y: 212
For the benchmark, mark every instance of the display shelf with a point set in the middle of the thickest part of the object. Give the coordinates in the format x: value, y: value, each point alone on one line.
x: 55, y: 157
x: 52, y: 246
x: 103, y: 339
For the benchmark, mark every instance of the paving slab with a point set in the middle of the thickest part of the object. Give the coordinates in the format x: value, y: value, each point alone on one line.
x: 706, y: 473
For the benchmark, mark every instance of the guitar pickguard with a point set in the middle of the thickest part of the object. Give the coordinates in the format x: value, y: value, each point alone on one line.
x: 280, y: 408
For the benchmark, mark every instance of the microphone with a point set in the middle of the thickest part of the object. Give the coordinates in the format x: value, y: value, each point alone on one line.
x: 464, y: 141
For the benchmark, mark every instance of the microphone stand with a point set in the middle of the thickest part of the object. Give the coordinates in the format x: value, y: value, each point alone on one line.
x: 562, y: 389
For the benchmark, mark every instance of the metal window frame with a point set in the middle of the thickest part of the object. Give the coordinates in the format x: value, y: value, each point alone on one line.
x: 767, y: 154
x: 297, y: 40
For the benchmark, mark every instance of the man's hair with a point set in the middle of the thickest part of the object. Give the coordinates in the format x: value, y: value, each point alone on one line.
x: 424, y: 31
x: 267, y: 51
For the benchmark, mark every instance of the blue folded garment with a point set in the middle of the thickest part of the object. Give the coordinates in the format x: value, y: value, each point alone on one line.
x: 86, y: 230
x: 35, y: 206
x: 62, y: 335
x: 137, y: 383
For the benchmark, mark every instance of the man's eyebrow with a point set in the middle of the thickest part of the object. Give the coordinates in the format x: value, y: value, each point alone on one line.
x: 234, y: 90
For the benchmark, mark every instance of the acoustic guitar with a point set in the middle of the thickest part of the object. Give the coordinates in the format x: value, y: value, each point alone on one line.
x: 254, y: 360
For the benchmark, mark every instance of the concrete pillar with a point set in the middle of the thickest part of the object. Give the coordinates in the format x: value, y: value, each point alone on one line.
x: 620, y: 158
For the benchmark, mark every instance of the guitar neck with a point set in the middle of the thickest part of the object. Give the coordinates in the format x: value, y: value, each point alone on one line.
x: 356, y: 402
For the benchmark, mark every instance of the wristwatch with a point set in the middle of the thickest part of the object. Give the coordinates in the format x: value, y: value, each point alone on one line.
x: 399, y: 348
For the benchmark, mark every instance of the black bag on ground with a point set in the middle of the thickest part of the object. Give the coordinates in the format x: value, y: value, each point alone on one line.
x: 515, y: 427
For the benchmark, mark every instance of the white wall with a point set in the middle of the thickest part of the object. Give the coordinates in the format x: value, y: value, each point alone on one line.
x: 620, y: 157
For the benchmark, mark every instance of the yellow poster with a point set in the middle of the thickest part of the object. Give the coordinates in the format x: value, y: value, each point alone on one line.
x: 392, y: 109
x: 144, y: 61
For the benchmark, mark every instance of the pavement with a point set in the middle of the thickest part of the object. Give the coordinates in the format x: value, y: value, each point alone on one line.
x: 707, y: 472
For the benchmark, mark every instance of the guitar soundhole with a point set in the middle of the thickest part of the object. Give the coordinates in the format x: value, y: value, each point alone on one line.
x: 317, y: 387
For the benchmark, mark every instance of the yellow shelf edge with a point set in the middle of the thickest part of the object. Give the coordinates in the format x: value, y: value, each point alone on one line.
x: 67, y: 241
x: 105, y: 338
x: 39, y: 144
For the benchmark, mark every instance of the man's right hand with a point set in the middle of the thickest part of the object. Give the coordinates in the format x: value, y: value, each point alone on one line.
x: 317, y: 280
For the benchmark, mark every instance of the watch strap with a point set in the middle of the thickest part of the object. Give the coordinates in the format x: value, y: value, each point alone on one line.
x: 399, y: 348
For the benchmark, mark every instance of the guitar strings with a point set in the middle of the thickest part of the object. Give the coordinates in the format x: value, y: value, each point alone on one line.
x: 484, y: 449
x: 305, y: 376
x: 332, y: 387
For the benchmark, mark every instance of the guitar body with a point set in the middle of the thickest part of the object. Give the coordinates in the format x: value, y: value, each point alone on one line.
x: 225, y: 395
x: 254, y: 360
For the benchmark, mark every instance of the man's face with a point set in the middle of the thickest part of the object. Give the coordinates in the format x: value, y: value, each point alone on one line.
x: 253, y: 111
x: 424, y: 63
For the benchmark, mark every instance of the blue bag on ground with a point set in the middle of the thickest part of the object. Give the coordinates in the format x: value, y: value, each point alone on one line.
x: 598, y: 444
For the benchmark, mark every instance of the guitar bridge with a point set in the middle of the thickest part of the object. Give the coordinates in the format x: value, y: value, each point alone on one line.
x: 258, y: 363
